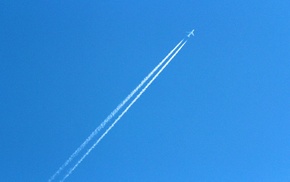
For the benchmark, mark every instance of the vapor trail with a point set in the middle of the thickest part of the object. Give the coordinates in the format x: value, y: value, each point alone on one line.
x: 111, y: 115
x: 121, y: 115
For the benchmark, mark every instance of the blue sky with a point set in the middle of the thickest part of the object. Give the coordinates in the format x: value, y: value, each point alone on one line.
x: 218, y: 112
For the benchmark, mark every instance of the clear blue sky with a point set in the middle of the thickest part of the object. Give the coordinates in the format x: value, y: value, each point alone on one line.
x: 219, y: 112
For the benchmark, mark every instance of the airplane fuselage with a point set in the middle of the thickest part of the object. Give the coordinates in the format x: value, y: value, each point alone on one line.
x: 191, y: 33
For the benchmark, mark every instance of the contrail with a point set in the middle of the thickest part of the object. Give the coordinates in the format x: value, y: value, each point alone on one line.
x: 110, y: 116
x: 121, y: 115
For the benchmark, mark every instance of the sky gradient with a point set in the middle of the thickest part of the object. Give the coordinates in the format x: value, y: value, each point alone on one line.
x: 218, y: 112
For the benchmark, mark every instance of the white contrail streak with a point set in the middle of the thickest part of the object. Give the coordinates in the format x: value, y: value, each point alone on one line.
x: 111, y: 115
x: 121, y: 115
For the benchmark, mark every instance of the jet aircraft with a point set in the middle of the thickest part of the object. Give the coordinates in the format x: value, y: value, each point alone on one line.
x: 190, y: 33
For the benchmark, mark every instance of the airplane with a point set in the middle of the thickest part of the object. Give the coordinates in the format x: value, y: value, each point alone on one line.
x: 190, y: 33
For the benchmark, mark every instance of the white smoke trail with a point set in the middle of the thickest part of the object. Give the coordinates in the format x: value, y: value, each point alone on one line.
x: 121, y: 115
x: 111, y: 115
